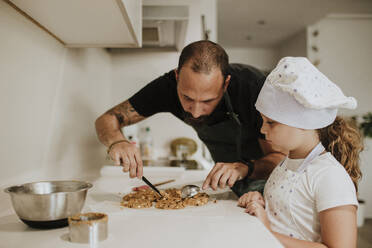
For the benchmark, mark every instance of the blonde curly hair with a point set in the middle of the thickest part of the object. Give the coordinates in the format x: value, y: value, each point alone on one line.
x: 343, y: 139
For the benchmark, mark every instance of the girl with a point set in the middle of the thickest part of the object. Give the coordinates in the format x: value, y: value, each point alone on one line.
x: 310, y: 198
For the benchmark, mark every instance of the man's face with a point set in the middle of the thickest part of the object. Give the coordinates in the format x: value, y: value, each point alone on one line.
x: 199, y: 93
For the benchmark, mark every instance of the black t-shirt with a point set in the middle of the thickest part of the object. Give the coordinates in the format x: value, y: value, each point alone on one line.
x: 160, y: 95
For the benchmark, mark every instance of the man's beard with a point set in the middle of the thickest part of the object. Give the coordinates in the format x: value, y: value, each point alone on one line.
x: 195, y: 122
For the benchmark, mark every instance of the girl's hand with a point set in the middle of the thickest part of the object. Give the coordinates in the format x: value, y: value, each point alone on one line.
x: 245, y: 199
x: 256, y: 209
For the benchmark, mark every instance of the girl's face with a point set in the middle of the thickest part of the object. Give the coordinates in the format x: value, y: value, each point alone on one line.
x: 286, y: 137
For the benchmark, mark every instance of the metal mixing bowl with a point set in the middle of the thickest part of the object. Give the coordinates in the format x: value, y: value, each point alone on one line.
x: 47, y: 204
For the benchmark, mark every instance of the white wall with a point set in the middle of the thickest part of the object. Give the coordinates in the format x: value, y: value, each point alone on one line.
x: 84, y: 93
x: 49, y: 99
x: 261, y: 58
x: 295, y: 46
x: 345, y: 52
x: 209, y: 10
x: 267, y: 58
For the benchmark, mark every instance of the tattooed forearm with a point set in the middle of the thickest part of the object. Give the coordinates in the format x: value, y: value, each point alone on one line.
x: 119, y: 116
x: 125, y: 114
x: 108, y: 125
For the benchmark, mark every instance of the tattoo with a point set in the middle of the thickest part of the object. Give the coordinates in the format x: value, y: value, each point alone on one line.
x: 120, y: 118
x: 125, y: 114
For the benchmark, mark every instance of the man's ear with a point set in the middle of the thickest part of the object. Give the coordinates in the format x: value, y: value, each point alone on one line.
x: 226, y: 83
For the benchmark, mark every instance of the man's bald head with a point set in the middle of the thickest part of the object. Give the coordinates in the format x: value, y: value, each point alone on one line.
x: 203, y: 56
x: 202, y: 78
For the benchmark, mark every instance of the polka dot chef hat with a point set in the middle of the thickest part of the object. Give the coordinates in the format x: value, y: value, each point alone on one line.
x: 297, y: 94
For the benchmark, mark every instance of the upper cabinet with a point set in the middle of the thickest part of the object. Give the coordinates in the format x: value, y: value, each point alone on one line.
x: 87, y: 23
x: 164, y: 26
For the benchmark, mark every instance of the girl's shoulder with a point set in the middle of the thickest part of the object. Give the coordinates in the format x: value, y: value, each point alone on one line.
x: 325, y: 164
x: 330, y: 184
x: 326, y: 169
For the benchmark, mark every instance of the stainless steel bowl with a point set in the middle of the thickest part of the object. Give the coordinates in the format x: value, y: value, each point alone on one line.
x: 47, y: 204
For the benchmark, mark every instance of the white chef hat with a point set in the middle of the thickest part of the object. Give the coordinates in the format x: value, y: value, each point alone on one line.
x: 297, y: 94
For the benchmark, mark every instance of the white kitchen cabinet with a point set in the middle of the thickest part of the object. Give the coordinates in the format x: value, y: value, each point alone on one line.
x: 87, y: 23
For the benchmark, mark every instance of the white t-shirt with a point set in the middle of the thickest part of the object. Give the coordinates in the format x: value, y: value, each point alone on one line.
x: 324, y: 184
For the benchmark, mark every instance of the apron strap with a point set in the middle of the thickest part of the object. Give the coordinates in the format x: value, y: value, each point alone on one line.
x: 230, y: 108
x: 238, y: 139
x: 318, y: 149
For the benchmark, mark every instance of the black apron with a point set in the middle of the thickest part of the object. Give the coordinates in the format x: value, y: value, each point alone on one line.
x: 230, y: 141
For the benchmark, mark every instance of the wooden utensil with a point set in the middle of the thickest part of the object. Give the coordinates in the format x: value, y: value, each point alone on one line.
x: 156, y: 184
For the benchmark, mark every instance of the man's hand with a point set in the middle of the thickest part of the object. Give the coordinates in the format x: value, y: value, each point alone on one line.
x: 225, y: 173
x: 128, y: 155
x: 108, y: 127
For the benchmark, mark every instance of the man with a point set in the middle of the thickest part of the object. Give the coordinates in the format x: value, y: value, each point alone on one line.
x: 217, y: 100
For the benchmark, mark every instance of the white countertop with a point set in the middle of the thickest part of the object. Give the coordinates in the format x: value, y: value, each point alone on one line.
x: 220, y: 224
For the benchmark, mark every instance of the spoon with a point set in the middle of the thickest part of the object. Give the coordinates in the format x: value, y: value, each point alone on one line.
x: 188, y: 191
